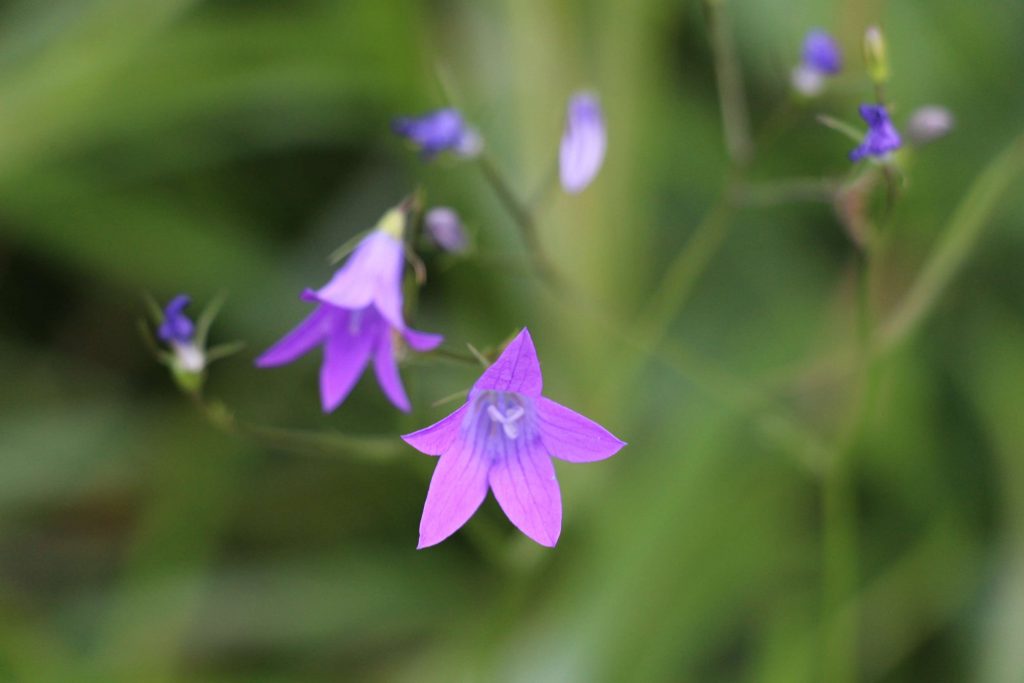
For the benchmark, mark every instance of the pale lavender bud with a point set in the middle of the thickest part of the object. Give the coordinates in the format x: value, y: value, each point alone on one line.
x: 929, y: 123
x: 445, y: 229
x: 583, y: 143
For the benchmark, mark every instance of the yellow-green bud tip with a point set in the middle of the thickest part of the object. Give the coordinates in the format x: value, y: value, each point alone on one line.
x: 875, y: 58
x: 393, y: 223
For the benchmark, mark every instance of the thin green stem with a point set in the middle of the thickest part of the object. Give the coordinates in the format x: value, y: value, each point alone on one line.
x: 733, y: 101
x: 522, y: 216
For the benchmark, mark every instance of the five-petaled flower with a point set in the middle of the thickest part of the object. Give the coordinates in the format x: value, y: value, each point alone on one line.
x: 503, y: 439
x: 881, y: 138
x: 443, y: 130
x: 359, y: 315
x: 821, y: 58
x: 584, y: 142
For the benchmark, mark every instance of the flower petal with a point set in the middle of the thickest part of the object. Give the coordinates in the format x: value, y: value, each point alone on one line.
x: 301, y: 339
x: 438, y: 437
x: 523, y: 481
x: 456, y: 490
x: 570, y: 436
x: 517, y: 369
x: 421, y: 341
x: 583, y: 143
x: 386, y: 368
x: 345, y: 358
x: 374, y: 267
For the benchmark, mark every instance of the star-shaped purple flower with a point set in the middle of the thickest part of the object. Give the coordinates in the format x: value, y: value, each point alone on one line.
x: 503, y: 439
x: 359, y: 316
x: 583, y: 143
x: 881, y: 138
x: 443, y: 130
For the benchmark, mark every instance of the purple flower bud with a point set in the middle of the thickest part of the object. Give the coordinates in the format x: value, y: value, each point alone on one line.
x: 821, y: 52
x: 439, y: 131
x: 929, y: 123
x: 821, y: 58
x: 583, y: 143
x: 176, y: 326
x: 445, y: 229
x: 881, y: 137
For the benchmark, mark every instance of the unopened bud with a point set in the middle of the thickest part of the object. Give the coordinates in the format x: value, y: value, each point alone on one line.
x: 929, y: 123
x: 875, y: 57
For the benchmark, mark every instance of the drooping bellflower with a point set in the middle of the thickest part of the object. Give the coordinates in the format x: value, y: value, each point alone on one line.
x: 503, y: 439
x: 359, y: 316
x: 820, y: 59
x: 881, y: 138
x: 584, y: 142
x: 443, y: 130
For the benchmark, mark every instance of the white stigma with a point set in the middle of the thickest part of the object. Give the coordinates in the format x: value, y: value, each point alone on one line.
x: 507, y: 420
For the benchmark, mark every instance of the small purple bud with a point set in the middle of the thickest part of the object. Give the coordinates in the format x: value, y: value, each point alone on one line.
x: 881, y: 138
x: 821, y: 52
x: 583, y: 143
x: 439, y: 131
x: 445, y: 229
x: 929, y: 123
x: 176, y: 326
x: 821, y: 58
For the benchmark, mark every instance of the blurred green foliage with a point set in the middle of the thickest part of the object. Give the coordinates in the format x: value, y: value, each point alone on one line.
x: 200, y: 146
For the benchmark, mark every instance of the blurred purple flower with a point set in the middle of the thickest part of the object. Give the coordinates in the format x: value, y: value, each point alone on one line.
x: 503, y: 439
x: 443, y: 130
x: 176, y: 326
x: 360, y: 309
x: 583, y: 143
x: 929, y: 123
x: 445, y: 229
x: 881, y: 138
x: 821, y: 58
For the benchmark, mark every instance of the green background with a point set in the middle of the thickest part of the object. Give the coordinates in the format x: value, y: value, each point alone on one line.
x: 230, y: 145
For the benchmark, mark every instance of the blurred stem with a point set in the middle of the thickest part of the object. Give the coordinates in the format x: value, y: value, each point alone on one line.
x: 958, y: 239
x: 732, y: 100
x: 522, y: 216
x: 375, y: 449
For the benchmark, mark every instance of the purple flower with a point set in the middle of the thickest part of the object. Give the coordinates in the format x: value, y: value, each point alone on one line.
x: 821, y: 58
x: 445, y: 229
x: 176, y: 326
x: 359, y: 314
x: 583, y: 143
x: 443, y: 130
x: 881, y: 137
x: 503, y: 439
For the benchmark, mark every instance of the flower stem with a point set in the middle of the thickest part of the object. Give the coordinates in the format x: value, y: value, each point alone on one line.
x: 522, y: 216
x: 732, y: 99
x: 375, y: 449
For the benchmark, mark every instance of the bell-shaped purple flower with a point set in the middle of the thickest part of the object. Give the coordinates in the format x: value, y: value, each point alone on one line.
x: 176, y: 326
x: 358, y: 318
x: 583, y: 143
x: 503, y: 439
x: 820, y: 59
x: 443, y: 130
x: 881, y: 138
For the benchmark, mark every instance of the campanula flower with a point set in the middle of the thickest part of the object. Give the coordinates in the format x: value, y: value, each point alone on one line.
x: 929, y: 123
x: 820, y: 59
x: 503, y: 439
x: 443, y: 130
x: 881, y: 138
x: 584, y: 142
x: 359, y: 316
x: 445, y: 229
